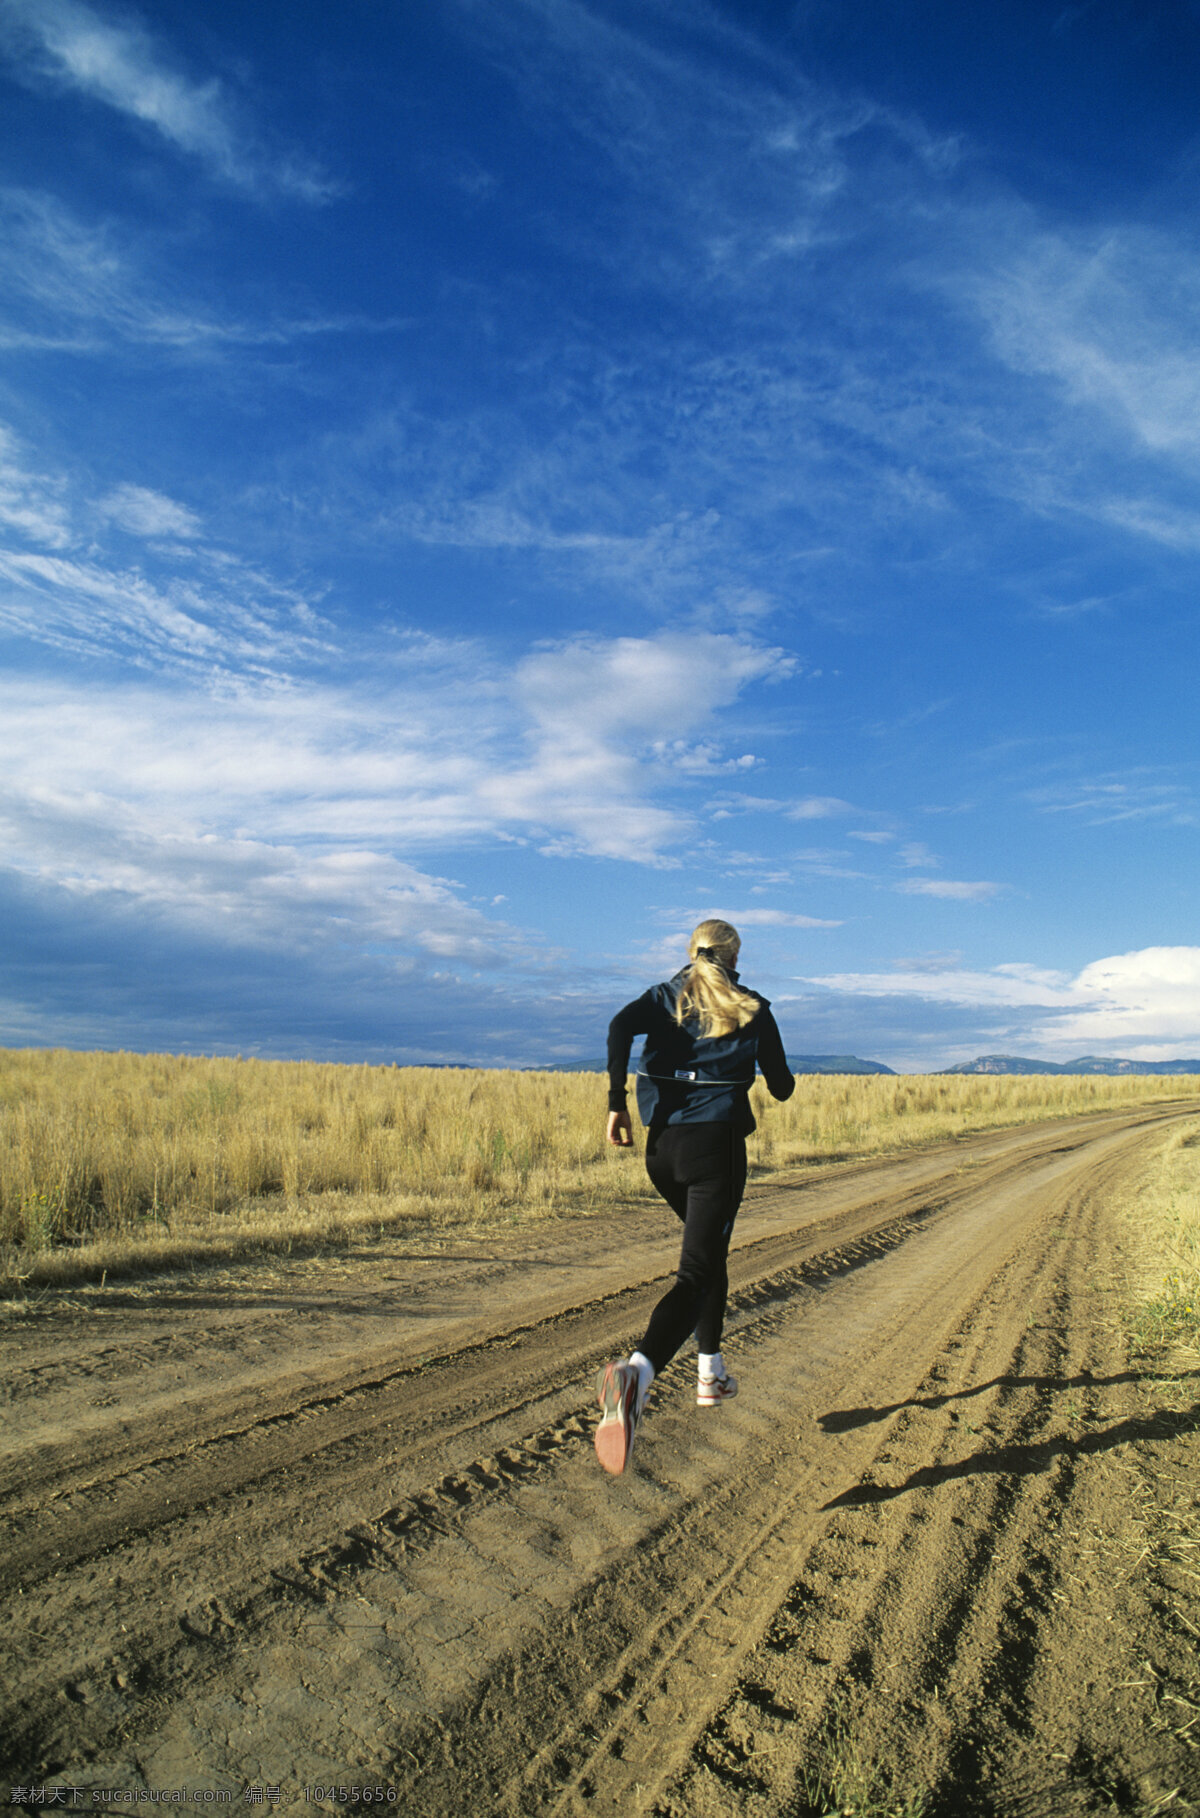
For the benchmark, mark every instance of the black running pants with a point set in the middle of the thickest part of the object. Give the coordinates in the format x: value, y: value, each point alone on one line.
x: 700, y: 1170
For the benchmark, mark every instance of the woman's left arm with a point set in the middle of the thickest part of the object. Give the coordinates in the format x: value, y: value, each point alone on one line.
x: 632, y: 1020
x: 771, y: 1058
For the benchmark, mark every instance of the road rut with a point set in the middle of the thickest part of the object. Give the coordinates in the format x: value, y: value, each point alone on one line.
x: 339, y: 1523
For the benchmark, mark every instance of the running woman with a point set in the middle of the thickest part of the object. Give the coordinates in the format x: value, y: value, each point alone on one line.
x: 705, y: 1035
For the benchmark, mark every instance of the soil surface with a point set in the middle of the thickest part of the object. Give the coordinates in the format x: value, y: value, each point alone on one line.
x: 337, y: 1522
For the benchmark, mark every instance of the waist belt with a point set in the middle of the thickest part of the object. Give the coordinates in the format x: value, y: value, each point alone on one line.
x: 694, y: 1079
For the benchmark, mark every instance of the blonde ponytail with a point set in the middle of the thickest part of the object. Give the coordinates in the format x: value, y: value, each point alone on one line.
x: 709, y: 993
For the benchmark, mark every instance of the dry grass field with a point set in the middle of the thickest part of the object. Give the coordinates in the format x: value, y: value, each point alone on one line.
x: 323, y: 1510
x: 119, y: 1161
x: 1165, y: 1220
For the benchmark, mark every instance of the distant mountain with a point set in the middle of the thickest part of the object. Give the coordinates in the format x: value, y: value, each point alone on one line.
x: 1087, y: 1063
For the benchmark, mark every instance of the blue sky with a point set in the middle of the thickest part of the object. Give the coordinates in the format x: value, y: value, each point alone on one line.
x: 484, y: 484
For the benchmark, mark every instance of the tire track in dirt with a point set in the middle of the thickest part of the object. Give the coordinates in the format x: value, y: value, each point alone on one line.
x: 405, y: 1527
x: 225, y: 1457
x: 940, y: 1613
x: 623, y: 1759
x: 249, y: 1422
x: 576, y: 1599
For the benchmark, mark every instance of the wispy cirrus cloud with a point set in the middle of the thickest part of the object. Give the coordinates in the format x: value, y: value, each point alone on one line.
x: 770, y: 930
x: 72, y: 286
x: 203, y: 625
x: 1098, y: 323
x: 1015, y: 983
x: 818, y: 808
x: 1143, y: 794
x: 954, y: 890
x: 773, y: 437
x: 147, y: 513
x: 32, y: 504
x: 1111, y: 317
x: 82, y: 286
x: 192, y: 608
x: 752, y: 154
x: 758, y: 918
x: 125, y: 67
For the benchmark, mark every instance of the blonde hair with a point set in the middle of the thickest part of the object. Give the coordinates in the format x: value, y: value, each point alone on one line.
x: 709, y: 993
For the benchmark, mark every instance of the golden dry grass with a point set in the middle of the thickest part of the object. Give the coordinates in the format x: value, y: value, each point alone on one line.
x: 120, y: 1160
x: 1163, y: 1555
x: 865, y: 1114
x: 1165, y: 1218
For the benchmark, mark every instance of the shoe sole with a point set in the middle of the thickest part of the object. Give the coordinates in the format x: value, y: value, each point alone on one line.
x: 615, y: 1435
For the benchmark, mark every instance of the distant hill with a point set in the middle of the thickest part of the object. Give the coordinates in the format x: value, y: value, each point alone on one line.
x: 1087, y: 1063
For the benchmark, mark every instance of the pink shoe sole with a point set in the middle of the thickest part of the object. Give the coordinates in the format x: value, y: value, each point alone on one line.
x: 617, y: 1386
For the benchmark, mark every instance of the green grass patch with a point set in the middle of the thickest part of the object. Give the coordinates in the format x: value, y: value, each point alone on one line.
x: 845, y: 1779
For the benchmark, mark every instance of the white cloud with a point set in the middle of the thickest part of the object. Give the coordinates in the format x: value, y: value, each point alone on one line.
x: 1140, y: 795
x: 1144, y: 1004
x: 1113, y: 318
x: 702, y: 759
x: 74, y: 287
x: 736, y: 801
x: 641, y: 688
x: 120, y: 65
x: 655, y: 115
x: 30, y: 503
x: 148, y: 514
x: 1103, y: 319
x: 303, y: 803
x: 818, y: 807
x: 284, y: 823
x: 565, y: 748
x: 819, y: 861
x: 956, y: 891
x: 1002, y: 985
x: 595, y: 710
x: 209, y: 614
x: 1152, y: 995
x: 253, y: 892
x: 230, y: 624
x: 761, y: 918
x: 72, y: 284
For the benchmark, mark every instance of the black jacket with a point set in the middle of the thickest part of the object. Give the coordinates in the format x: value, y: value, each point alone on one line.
x: 684, y: 1078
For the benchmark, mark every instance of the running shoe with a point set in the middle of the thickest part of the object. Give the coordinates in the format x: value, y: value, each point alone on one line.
x: 711, y: 1391
x: 617, y: 1386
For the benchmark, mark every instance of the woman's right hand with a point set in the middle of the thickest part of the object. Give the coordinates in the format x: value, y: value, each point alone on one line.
x: 620, y: 1130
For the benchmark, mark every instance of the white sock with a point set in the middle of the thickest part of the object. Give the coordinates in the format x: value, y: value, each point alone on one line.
x: 712, y: 1364
x: 645, y: 1370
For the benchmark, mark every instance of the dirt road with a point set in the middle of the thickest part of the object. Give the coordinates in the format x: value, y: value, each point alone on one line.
x: 339, y: 1522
